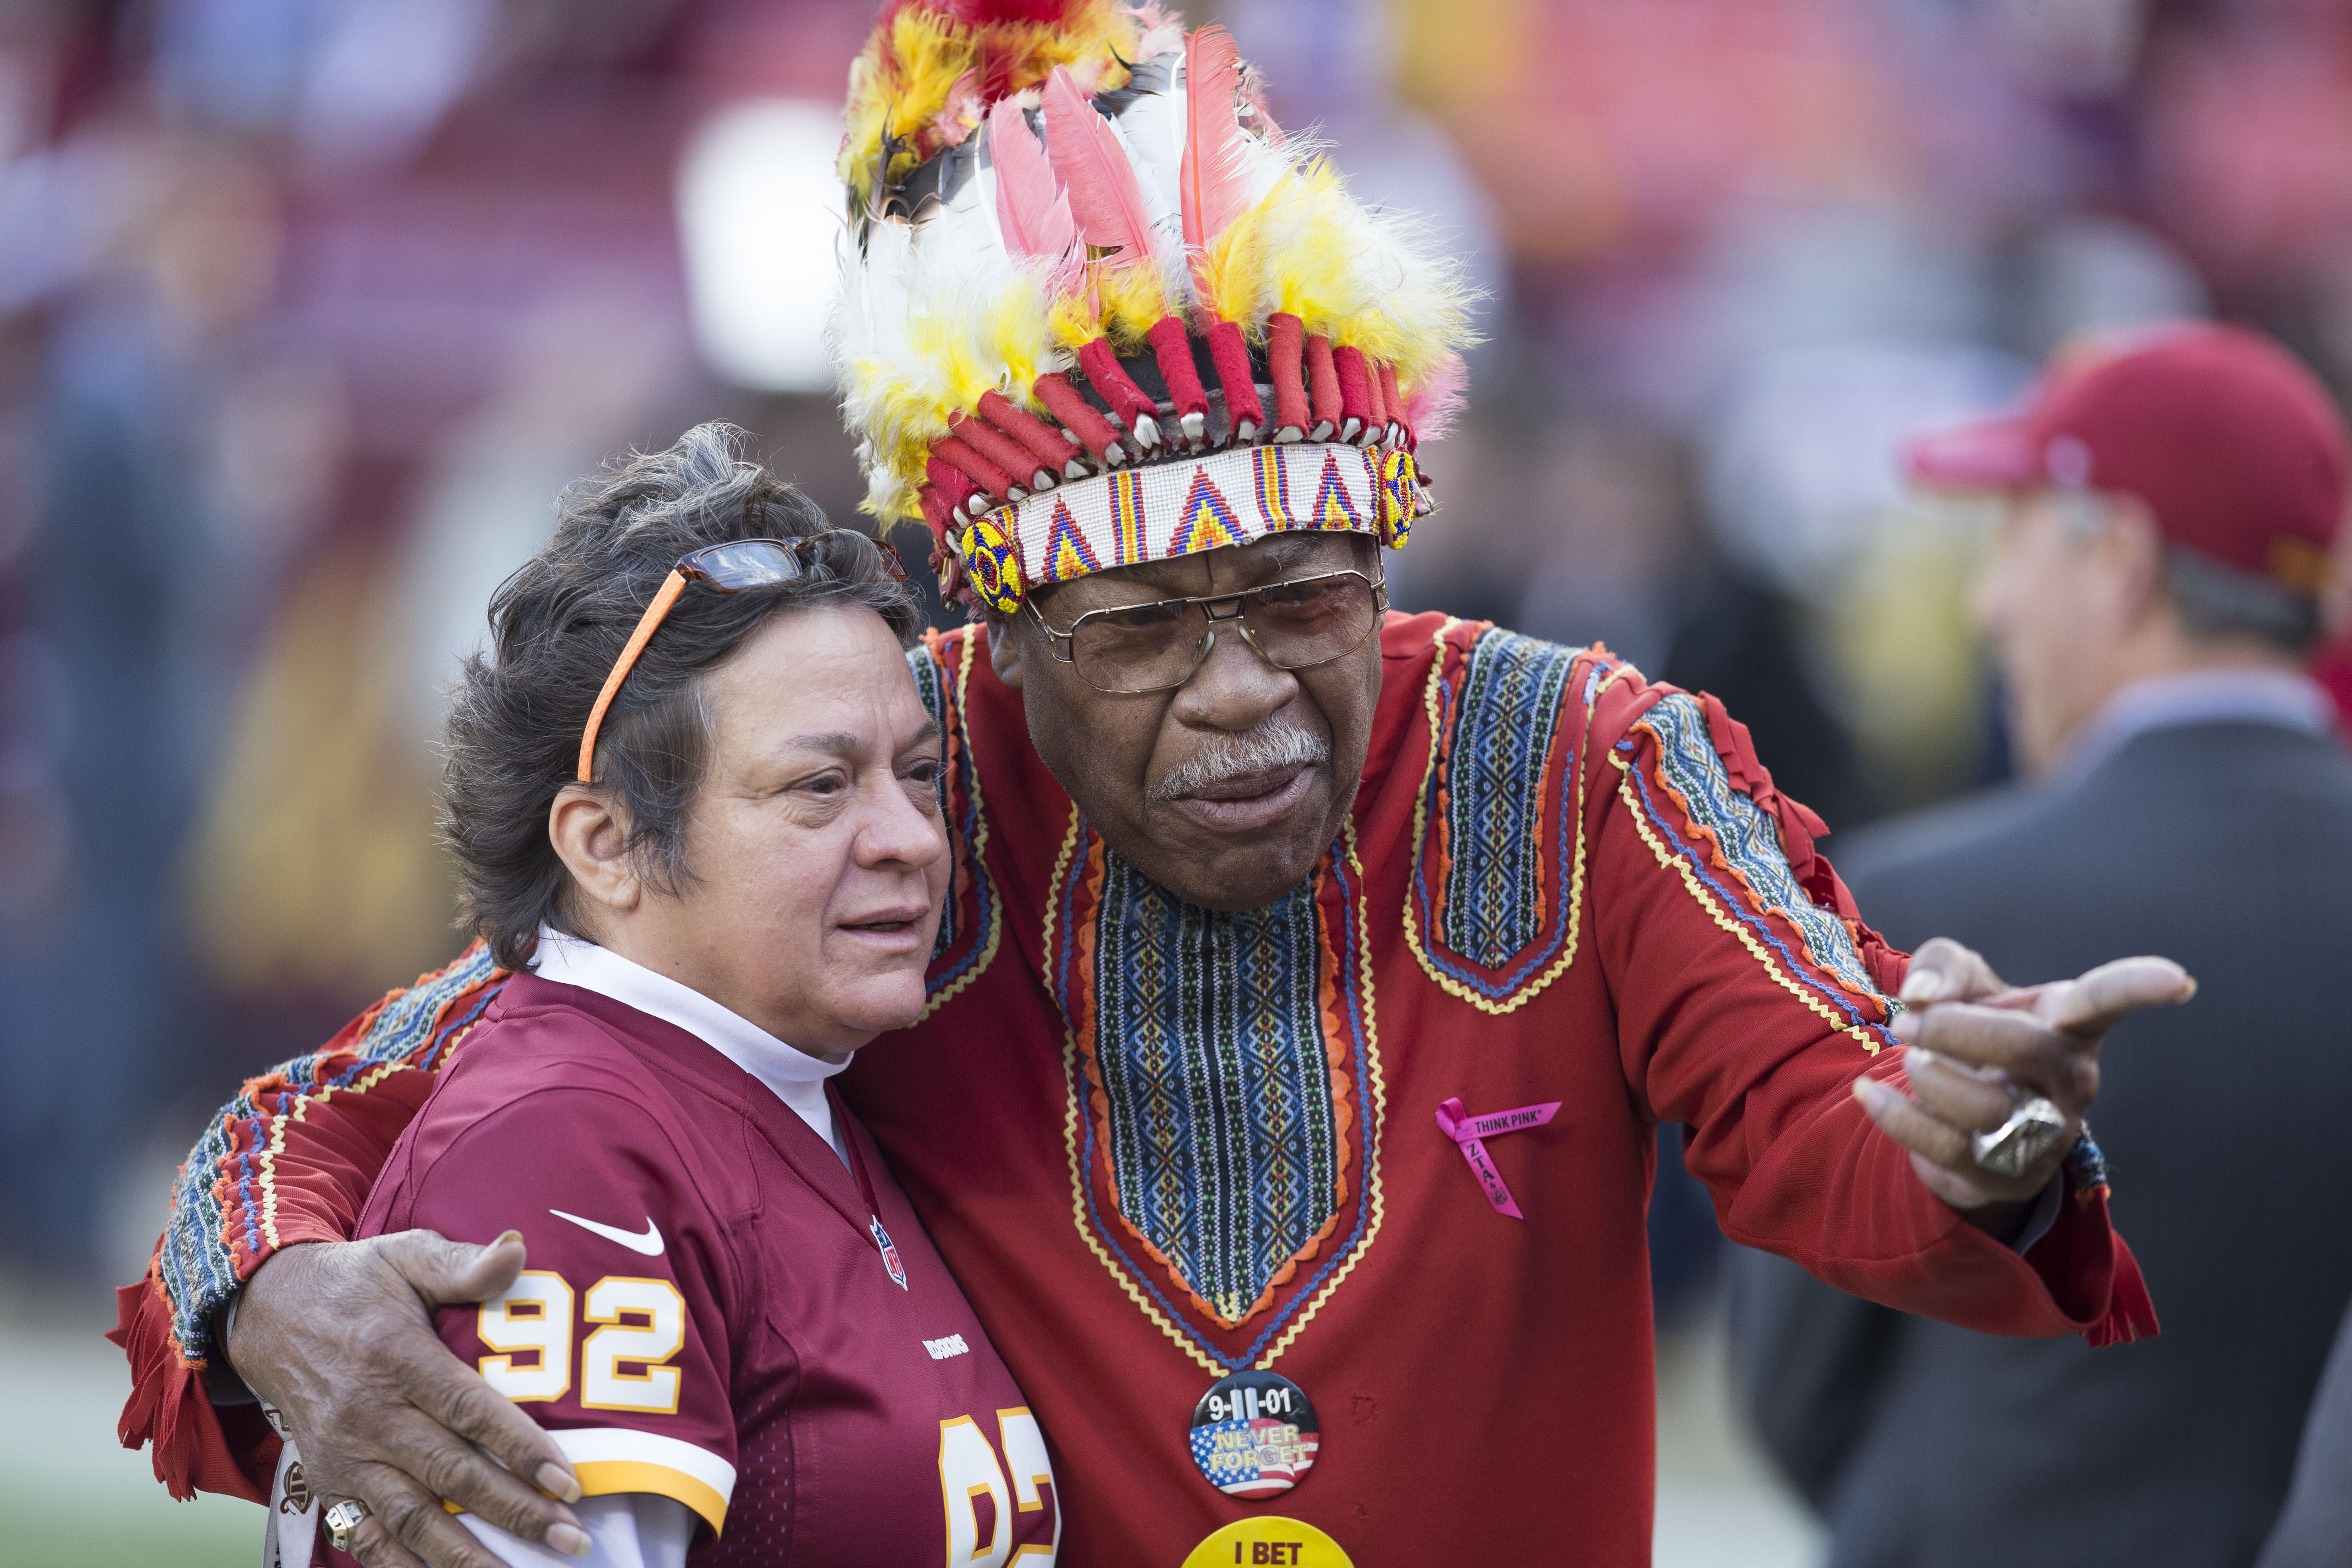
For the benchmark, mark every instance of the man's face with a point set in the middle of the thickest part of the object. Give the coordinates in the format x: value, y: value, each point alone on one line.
x: 2052, y: 599
x: 1227, y: 789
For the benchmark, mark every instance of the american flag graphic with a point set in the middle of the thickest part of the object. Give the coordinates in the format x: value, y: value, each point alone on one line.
x: 1252, y: 1458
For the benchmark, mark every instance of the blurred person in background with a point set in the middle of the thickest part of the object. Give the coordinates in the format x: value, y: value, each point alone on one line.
x: 2315, y: 1529
x: 2171, y: 498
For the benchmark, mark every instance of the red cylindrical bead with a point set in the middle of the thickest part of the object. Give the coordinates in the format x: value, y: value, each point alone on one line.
x: 983, y: 474
x: 1232, y: 357
x: 1355, y: 389
x: 1081, y: 418
x: 1394, y: 401
x: 951, y: 482
x: 1174, y: 351
x: 936, y: 511
x: 1128, y: 403
x: 1322, y: 387
x: 998, y: 447
x: 1044, y: 442
x: 1286, y: 341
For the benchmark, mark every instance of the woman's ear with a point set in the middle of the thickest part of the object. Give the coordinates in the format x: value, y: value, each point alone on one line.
x: 592, y: 839
x: 1004, y: 651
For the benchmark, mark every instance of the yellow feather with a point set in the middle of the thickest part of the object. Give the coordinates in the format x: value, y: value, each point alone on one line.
x: 1075, y: 320
x: 1133, y: 300
x: 1233, y: 273
x: 901, y: 83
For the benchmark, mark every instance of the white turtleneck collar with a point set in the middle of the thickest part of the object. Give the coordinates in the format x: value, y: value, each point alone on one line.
x: 796, y: 1078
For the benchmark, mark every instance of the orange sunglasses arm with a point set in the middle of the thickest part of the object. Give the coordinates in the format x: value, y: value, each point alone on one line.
x: 672, y: 586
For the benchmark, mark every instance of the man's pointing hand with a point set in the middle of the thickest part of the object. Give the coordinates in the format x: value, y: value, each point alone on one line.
x: 1979, y: 1047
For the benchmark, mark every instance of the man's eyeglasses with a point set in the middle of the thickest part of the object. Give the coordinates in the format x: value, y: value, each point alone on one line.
x: 728, y: 568
x: 1293, y: 625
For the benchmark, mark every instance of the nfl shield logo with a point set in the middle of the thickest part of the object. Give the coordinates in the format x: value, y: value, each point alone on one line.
x: 890, y: 1254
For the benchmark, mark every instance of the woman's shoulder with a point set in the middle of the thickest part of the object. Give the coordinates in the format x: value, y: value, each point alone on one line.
x: 567, y: 1065
x: 557, y: 1124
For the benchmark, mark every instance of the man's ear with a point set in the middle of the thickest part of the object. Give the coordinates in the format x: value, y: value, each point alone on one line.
x: 1004, y: 642
x: 2137, y: 543
x: 592, y: 839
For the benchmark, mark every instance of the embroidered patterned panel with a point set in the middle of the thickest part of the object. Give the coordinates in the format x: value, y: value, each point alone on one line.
x: 1497, y: 863
x: 1210, y: 1045
x: 1225, y: 1081
x: 1748, y: 837
x: 970, y: 921
x: 222, y: 1207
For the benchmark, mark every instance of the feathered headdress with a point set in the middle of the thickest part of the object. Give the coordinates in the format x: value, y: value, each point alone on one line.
x: 1098, y: 310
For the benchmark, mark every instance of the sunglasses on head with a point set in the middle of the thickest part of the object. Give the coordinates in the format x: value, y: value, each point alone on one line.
x: 730, y: 568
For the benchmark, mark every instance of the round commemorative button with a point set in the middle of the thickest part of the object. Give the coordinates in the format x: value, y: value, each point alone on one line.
x: 1268, y: 1541
x: 1254, y: 1435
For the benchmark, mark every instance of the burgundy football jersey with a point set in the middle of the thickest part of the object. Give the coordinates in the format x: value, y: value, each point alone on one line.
x: 715, y: 1309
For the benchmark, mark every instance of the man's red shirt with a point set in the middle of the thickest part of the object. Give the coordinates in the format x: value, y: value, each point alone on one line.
x: 1156, y: 1142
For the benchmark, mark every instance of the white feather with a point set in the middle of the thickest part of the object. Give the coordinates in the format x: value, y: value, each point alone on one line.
x: 1151, y: 128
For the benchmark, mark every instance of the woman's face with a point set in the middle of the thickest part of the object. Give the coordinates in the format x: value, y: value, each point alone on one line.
x: 819, y: 862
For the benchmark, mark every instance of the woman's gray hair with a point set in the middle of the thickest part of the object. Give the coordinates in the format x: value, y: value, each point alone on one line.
x: 557, y: 627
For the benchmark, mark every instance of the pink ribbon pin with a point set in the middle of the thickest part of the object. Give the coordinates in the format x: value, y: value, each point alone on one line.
x: 1468, y: 1133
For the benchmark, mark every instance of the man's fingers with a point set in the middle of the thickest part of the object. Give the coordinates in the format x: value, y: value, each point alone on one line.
x: 2018, y: 1043
x: 1944, y: 971
x: 451, y: 1396
x: 1953, y: 1093
x: 1910, y: 1126
x: 406, y: 1524
x: 375, y: 1547
x: 2114, y: 992
x: 449, y: 1273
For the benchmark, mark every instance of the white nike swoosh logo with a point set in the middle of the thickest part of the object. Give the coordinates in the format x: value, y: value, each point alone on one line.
x: 649, y: 1245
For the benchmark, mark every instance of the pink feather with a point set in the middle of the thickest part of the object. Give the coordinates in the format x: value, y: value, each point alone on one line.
x: 1212, y: 180
x: 1443, y: 393
x: 1030, y: 206
x: 1104, y: 195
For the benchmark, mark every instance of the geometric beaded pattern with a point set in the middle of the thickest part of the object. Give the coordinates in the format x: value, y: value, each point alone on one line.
x: 1748, y: 836
x: 1503, y: 725
x: 970, y: 916
x: 1223, y: 1138
x: 1493, y: 911
x: 1159, y: 512
x: 221, y: 1226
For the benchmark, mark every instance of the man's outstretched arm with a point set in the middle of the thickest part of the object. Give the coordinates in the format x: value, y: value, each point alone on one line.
x: 322, y: 1327
x: 1751, y: 999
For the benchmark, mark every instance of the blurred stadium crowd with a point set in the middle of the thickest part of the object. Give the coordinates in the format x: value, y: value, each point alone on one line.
x: 308, y: 307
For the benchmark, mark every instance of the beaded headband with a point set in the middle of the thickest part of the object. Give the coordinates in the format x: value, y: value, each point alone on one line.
x: 1097, y: 312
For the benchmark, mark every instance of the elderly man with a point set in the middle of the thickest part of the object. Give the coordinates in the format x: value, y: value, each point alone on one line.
x: 1312, y: 981
x: 2170, y: 504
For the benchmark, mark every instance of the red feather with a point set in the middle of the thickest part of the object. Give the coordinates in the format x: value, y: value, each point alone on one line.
x: 1104, y: 196
x: 1030, y: 207
x: 1214, y: 185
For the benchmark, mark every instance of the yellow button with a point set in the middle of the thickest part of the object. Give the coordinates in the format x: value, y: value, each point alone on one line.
x: 1268, y: 1542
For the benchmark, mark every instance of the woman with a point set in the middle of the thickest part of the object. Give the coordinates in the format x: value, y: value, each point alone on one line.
x: 693, y: 789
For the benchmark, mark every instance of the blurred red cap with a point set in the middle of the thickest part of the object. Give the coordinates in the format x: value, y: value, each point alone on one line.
x: 2233, y: 445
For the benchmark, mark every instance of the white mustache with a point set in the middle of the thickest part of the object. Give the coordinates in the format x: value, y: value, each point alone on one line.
x: 1259, y: 751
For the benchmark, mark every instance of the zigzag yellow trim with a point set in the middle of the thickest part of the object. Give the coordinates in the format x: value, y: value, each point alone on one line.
x: 1073, y: 1077
x: 1376, y: 1118
x: 268, y: 1161
x: 979, y: 840
x: 1667, y: 857
x: 1560, y: 966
